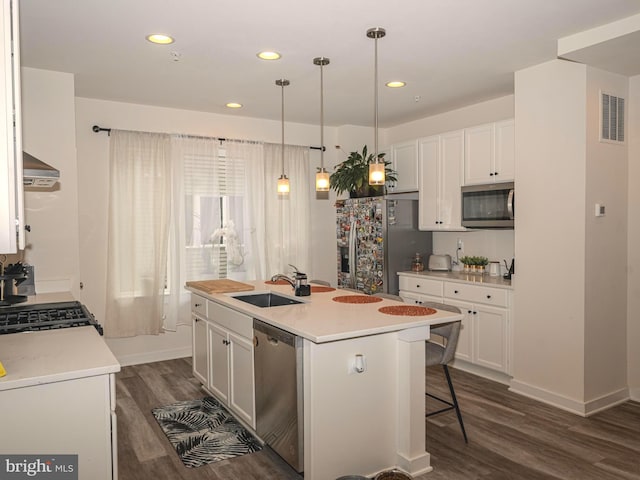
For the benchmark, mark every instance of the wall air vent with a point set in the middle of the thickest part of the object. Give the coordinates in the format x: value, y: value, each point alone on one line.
x: 611, y: 118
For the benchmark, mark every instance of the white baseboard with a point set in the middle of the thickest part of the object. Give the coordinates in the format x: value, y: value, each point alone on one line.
x: 634, y: 394
x: 153, y: 356
x: 584, y: 409
x: 482, y: 371
x: 414, y: 466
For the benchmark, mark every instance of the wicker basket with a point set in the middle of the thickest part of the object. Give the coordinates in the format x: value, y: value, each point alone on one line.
x: 393, y: 475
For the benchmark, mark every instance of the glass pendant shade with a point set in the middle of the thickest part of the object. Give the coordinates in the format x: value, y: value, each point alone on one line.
x: 322, y: 180
x: 283, y: 185
x: 376, y: 173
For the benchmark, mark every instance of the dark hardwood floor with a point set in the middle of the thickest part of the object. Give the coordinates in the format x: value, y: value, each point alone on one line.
x: 510, y: 437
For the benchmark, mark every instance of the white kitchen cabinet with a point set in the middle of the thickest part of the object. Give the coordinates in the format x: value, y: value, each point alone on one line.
x: 11, y: 188
x: 441, y: 159
x: 484, y: 334
x: 200, y: 350
x: 489, y: 155
x: 219, y: 362
x: 404, y: 160
x: 223, y: 355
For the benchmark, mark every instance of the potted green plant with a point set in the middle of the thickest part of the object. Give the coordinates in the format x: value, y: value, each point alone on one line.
x: 352, y: 175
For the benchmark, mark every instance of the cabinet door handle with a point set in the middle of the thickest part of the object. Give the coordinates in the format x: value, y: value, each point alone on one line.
x: 488, y: 296
x: 475, y: 313
x: 469, y: 312
x: 196, y: 319
x: 197, y: 305
x: 491, y: 174
x: 455, y: 291
x: 226, y: 342
x: 417, y: 286
x: 495, y: 173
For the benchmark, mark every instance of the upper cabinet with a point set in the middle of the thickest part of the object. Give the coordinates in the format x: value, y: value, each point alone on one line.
x: 489, y: 153
x: 441, y: 160
x: 404, y: 160
x: 11, y: 193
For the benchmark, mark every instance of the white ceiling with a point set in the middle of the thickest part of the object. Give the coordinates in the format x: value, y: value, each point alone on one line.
x: 450, y: 52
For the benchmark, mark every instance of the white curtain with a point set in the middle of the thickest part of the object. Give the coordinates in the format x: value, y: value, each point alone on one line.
x: 213, y: 232
x: 189, y: 208
x: 288, y: 230
x: 139, y: 199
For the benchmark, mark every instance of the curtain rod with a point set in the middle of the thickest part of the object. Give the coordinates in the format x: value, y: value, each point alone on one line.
x: 98, y: 129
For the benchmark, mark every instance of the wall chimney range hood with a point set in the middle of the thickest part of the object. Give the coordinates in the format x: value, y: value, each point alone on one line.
x: 38, y: 174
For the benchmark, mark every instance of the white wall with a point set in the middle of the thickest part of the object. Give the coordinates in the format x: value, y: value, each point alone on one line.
x: 549, y: 285
x: 606, y: 242
x: 48, y: 125
x: 633, y: 271
x: 93, y: 173
x: 570, y: 327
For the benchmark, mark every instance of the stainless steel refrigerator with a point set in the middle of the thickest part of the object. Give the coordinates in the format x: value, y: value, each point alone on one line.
x: 378, y: 237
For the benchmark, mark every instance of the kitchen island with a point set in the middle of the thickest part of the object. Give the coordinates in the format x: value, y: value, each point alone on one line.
x: 354, y: 422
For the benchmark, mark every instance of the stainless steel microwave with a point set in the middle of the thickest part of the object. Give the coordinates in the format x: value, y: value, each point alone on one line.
x: 488, y: 206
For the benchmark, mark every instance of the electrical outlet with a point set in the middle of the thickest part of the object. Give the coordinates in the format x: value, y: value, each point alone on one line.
x: 460, y: 244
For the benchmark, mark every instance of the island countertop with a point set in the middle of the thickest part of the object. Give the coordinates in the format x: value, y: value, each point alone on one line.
x: 320, y: 319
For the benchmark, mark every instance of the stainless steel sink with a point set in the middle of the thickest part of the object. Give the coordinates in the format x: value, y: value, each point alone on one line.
x: 264, y: 300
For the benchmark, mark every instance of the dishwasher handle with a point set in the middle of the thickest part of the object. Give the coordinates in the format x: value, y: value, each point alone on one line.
x: 274, y: 335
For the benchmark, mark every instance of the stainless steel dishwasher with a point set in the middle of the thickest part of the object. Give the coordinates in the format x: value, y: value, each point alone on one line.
x: 279, y: 406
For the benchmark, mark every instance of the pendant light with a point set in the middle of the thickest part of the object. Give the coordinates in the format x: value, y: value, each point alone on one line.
x: 376, y: 168
x: 283, y: 181
x: 322, y: 177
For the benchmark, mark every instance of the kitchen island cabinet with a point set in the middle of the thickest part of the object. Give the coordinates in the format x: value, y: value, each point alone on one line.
x: 223, y: 355
x: 354, y: 423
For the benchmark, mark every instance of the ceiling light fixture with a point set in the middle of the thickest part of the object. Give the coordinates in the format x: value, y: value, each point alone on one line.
x: 283, y: 181
x: 268, y: 55
x: 322, y: 177
x: 234, y: 105
x: 376, y: 168
x: 395, y: 84
x: 160, y: 39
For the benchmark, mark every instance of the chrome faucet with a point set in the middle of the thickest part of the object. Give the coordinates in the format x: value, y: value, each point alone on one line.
x: 298, y: 283
x: 281, y: 276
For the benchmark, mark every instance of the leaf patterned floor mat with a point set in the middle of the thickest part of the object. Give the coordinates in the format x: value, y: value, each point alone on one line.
x: 203, y: 431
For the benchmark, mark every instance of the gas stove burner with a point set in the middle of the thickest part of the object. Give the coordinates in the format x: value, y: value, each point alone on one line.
x: 46, y: 316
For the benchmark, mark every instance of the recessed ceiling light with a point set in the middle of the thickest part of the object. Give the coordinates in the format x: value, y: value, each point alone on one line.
x: 234, y: 105
x: 269, y: 55
x: 160, y: 39
x: 395, y: 84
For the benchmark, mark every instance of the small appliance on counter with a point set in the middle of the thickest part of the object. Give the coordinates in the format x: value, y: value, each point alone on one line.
x: 440, y: 263
x: 11, y: 276
x: 511, y: 269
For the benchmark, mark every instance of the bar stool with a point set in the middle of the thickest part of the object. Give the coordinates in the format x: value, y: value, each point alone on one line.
x: 442, y: 354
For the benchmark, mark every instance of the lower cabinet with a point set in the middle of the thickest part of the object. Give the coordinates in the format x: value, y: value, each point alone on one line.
x: 484, y: 334
x: 200, y: 348
x: 223, y: 357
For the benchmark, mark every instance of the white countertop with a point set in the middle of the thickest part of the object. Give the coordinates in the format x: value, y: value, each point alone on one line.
x: 461, y: 277
x: 34, y: 358
x: 320, y: 319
